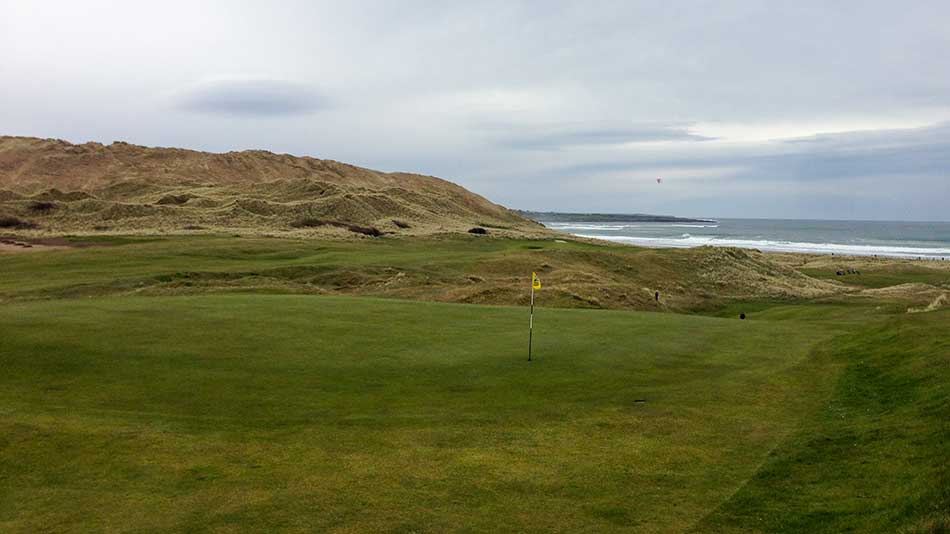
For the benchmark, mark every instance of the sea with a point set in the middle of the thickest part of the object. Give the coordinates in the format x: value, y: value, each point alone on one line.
x: 924, y: 240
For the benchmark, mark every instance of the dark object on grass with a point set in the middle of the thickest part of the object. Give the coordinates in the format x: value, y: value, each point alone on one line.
x: 38, y: 206
x: 311, y: 222
x: 401, y: 224
x: 365, y: 230
x: 657, y: 296
x: 175, y: 200
x: 742, y: 316
x: 193, y: 227
x: 639, y: 401
x: 839, y: 273
x: 478, y: 230
x: 14, y: 222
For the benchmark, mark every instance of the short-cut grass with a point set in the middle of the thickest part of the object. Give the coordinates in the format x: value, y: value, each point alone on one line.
x: 362, y: 414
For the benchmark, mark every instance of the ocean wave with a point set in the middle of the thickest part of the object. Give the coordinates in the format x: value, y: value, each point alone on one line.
x: 613, y: 227
x: 688, y: 241
x: 606, y: 227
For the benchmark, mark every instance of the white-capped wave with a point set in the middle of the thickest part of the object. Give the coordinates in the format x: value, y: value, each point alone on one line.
x: 605, y: 227
x: 688, y: 241
x: 612, y: 227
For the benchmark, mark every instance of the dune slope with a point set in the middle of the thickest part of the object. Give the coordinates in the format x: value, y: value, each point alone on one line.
x: 58, y: 187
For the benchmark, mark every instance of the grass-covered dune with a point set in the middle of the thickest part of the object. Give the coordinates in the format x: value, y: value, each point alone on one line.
x: 449, y: 268
x: 206, y: 385
x: 53, y: 187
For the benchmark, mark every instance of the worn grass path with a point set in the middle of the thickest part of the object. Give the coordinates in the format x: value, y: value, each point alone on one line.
x: 257, y: 412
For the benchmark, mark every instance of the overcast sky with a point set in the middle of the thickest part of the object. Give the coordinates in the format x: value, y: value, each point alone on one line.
x: 745, y: 109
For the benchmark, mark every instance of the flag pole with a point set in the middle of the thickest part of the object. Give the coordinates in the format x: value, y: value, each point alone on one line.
x: 531, y: 321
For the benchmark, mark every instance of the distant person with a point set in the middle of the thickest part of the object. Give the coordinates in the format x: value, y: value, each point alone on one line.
x: 657, y: 296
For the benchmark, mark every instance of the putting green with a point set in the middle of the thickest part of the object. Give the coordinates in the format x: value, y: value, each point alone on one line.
x: 263, y: 412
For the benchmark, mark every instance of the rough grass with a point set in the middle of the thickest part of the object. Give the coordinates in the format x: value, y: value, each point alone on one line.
x: 9, y: 221
x: 452, y: 269
x: 310, y: 222
x: 42, y: 207
x: 889, y: 274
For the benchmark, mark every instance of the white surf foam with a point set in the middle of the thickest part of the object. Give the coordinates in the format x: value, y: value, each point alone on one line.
x: 613, y: 227
x: 605, y: 227
x: 688, y: 241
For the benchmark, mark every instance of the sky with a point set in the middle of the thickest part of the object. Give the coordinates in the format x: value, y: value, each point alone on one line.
x: 821, y: 110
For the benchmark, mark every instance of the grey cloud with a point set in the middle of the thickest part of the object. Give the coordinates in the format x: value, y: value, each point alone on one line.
x: 583, y: 95
x: 929, y: 159
x: 908, y: 152
x: 562, y: 138
x: 905, y: 152
x: 256, y: 98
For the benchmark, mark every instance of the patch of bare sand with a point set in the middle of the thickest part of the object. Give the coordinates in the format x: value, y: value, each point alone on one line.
x: 837, y: 262
x: 920, y: 297
x: 903, y: 290
x: 15, y: 247
x: 12, y: 245
x: 937, y: 303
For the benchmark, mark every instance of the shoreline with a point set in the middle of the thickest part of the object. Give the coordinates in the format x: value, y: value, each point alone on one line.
x: 818, y: 249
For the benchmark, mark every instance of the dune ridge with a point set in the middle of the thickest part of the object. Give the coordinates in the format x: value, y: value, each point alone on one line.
x: 61, y: 187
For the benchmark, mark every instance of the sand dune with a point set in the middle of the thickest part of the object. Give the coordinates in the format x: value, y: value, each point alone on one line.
x: 61, y: 187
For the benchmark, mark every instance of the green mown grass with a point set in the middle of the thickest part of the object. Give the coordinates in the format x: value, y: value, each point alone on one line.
x: 876, y: 458
x: 210, y: 412
x: 303, y: 412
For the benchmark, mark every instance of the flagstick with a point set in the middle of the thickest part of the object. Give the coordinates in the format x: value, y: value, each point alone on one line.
x: 531, y: 321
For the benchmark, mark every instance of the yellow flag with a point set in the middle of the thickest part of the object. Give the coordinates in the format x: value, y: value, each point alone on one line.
x: 535, y: 281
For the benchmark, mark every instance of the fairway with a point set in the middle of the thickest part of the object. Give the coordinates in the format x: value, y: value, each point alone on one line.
x: 263, y: 412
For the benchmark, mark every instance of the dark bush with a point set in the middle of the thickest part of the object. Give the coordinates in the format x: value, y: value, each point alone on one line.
x: 493, y: 225
x: 14, y: 222
x: 401, y: 224
x: 38, y: 206
x: 310, y: 222
x: 478, y: 230
x: 365, y: 230
x: 175, y: 200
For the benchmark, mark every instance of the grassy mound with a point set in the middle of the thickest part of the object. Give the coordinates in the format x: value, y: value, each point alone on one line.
x: 467, y: 269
